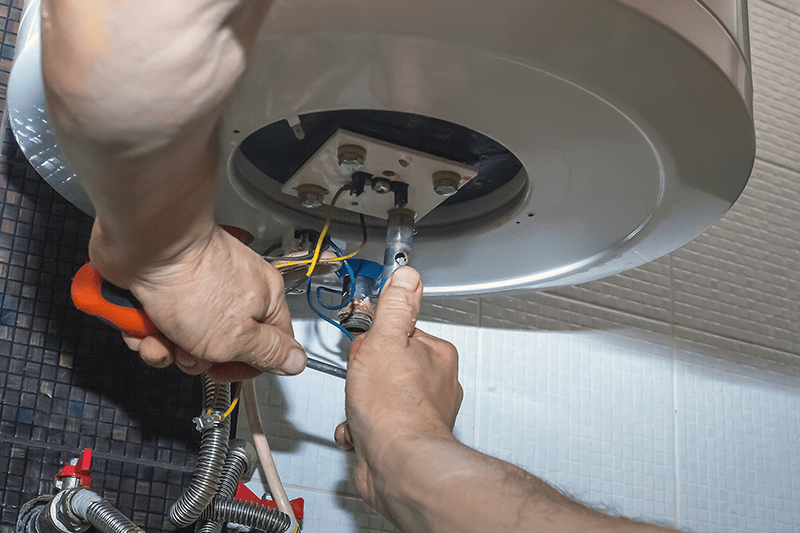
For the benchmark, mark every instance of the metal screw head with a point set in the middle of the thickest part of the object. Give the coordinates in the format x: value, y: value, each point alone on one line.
x: 351, y: 158
x: 445, y: 183
x: 381, y: 185
x: 311, y: 195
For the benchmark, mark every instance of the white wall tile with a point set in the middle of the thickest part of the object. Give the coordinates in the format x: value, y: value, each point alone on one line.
x: 457, y: 310
x: 775, y: 35
x: 791, y: 6
x: 643, y: 291
x: 556, y: 312
x: 737, y: 434
x: 590, y: 412
x: 741, y: 278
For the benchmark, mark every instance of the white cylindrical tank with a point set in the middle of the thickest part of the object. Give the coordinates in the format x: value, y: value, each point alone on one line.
x: 602, y: 133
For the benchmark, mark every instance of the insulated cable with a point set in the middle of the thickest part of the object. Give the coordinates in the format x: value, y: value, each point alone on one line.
x: 328, y: 219
x: 264, y: 454
x: 227, y: 413
x: 331, y: 259
x: 322, y: 316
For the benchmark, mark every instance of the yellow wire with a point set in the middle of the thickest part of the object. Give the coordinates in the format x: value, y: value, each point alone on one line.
x: 324, y: 260
x: 328, y: 218
x: 227, y: 413
x: 299, y: 262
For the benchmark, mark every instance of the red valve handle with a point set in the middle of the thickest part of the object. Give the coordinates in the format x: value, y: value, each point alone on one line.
x: 80, y: 470
x: 97, y: 297
x: 243, y: 493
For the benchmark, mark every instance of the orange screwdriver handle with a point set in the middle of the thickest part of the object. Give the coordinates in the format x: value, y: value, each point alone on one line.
x: 119, y: 307
x: 97, y: 297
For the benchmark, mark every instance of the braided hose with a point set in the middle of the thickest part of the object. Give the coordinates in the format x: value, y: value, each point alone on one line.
x: 254, y: 515
x: 108, y: 519
x: 213, y: 449
x: 236, y: 465
x: 105, y: 518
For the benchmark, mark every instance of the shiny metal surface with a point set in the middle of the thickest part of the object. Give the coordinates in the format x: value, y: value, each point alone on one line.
x: 632, y: 118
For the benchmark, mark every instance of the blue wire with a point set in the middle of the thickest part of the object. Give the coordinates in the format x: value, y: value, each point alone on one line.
x: 350, y: 273
x: 342, y: 306
x: 323, y: 317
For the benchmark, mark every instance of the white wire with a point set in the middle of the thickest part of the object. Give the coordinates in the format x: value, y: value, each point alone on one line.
x: 264, y: 453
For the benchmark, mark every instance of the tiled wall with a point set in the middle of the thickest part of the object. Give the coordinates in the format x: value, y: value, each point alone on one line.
x: 669, y: 393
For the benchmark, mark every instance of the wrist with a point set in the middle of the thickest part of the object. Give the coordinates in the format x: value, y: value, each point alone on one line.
x: 125, y: 256
x: 414, y: 472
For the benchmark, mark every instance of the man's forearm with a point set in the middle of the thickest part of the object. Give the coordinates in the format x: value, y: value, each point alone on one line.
x: 135, y: 91
x: 445, y: 486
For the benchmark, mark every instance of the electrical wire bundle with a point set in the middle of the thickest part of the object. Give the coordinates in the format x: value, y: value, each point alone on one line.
x: 312, y: 263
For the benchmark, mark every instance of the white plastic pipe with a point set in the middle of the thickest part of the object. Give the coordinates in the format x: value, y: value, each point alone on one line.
x: 265, y: 454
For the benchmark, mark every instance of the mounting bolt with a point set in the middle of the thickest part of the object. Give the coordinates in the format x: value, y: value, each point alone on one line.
x: 381, y: 185
x: 445, y: 182
x: 351, y: 158
x: 311, y: 195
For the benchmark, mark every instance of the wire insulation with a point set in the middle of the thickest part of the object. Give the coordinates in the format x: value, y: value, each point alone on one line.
x: 262, y: 449
x: 227, y: 413
x: 328, y: 219
x: 332, y: 291
x: 332, y: 259
x: 322, y: 316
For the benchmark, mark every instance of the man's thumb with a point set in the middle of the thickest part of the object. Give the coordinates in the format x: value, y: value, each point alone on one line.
x: 398, y: 304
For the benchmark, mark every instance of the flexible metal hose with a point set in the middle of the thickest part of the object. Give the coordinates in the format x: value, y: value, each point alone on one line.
x: 213, y: 449
x: 237, y: 464
x: 255, y: 516
x: 103, y: 516
x: 108, y: 519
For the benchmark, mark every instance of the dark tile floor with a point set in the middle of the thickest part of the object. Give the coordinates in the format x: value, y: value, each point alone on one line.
x: 67, y: 381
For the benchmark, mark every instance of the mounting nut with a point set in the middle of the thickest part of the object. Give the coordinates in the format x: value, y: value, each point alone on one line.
x: 381, y: 185
x: 311, y: 195
x: 446, y: 182
x: 351, y: 158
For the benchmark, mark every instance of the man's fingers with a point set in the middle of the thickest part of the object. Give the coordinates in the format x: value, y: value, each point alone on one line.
x: 269, y: 349
x: 398, y: 305
x: 343, y: 437
x: 189, y: 363
x: 154, y: 350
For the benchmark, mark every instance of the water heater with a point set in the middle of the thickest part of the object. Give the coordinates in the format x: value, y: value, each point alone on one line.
x: 540, y: 143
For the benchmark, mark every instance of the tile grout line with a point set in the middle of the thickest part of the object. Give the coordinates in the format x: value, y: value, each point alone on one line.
x: 671, y: 323
x: 675, y: 457
x: 27, y: 444
x: 478, y: 372
x: 780, y: 7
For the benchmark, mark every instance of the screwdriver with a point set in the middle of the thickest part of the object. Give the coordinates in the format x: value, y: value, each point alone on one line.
x: 119, y: 307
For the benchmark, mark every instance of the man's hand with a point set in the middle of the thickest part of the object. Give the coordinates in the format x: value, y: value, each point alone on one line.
x: 135, y: 91
x: 402, y: 399
x: 221, y: 307
x: 402, y: 387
